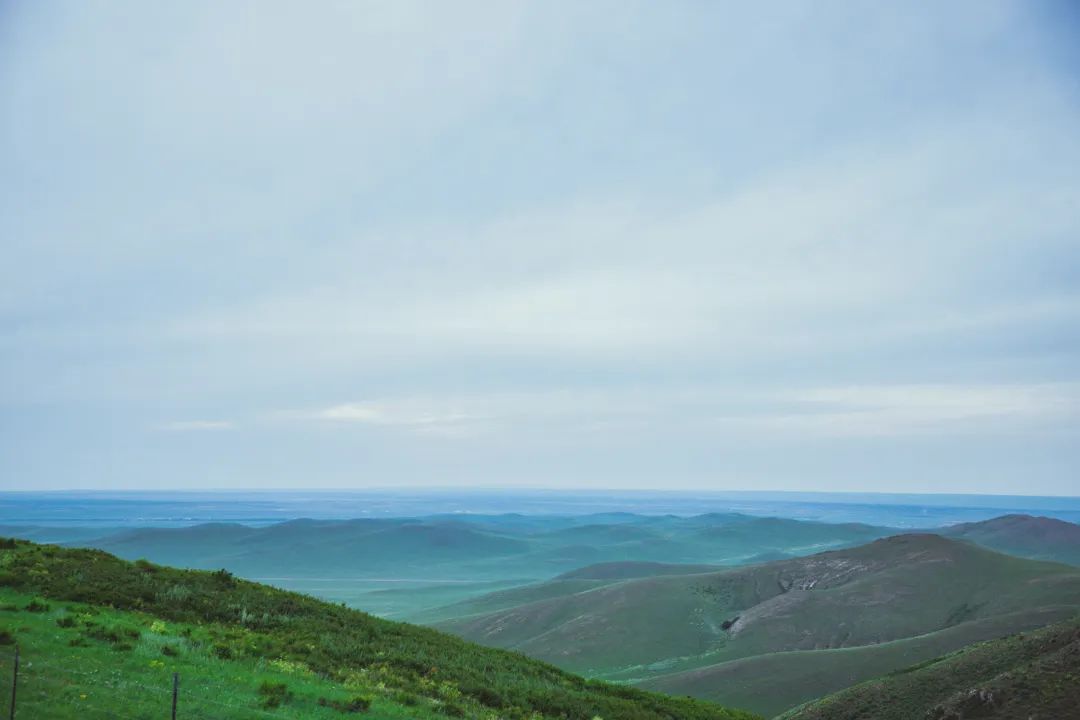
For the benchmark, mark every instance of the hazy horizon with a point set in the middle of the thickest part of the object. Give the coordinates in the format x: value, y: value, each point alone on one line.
x: 515, y: 244
x: 112, y: 510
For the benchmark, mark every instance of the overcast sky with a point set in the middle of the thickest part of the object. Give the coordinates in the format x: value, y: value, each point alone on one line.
x: 815, y: 246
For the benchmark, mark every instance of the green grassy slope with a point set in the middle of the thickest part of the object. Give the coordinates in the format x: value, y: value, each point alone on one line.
x: 107, y: 622
x: 503, y: 599
x: 890, y: 589
x: 772, y: 683
x: 1022, y: 677
x: 628, y: 569
x: 587, y: 578
x: 1040, y: 538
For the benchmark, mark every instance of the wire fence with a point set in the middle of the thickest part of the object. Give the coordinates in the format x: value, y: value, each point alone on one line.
x: 33, y: 689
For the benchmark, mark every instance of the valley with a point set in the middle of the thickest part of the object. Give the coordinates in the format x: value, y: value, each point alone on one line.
x: 761, y: 614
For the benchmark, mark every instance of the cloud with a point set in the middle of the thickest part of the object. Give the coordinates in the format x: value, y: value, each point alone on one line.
x: 861, y: 247
x: 198, y: 425
x: 408, y: 415
x: 896, y: 410
x: 900, y: 410
x: 637, y: 228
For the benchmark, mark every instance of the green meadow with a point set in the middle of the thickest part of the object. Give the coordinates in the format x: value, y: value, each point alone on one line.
x: 101, y: 637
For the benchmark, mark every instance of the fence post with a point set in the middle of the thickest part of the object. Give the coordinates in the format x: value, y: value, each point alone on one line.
x: 14, y: 684
x: 175, y: 688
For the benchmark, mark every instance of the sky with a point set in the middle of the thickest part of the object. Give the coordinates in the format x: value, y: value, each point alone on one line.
x: 823, y: 246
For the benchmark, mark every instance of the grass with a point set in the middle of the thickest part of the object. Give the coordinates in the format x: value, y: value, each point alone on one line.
x: 890, y: 589
x: 770, y: 684
x: 791, y: 643
x: 1027, y: 675
x: 234, y: 642
x: 106, y: 663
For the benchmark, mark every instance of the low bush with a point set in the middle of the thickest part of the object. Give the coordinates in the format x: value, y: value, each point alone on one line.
x: 274, y: 694
x: 116, y: 635
x: 356, y: 704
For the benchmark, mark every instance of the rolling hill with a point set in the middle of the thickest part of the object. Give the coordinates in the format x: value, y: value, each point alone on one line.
x: 804, y: 674
x: 97, y: 633
x: 1040, y: 538
x: 1030, y: 676
x: 400, y: 567
x: 544, y: 546
x: 681, y: 632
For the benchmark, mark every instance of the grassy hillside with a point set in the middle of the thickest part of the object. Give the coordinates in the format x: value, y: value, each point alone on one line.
x: 587, y: 578
x: 1041, y: 538
x: 892, y: 589
x: 1022, y: 677
x: 628, y: 570
x: 94, y: 630
x: 772, y: 683
x: 505, y: 599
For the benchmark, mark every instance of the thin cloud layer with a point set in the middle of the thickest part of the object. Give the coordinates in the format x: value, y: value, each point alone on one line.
x: 611, y: 244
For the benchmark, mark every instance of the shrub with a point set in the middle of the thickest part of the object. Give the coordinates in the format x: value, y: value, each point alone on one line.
x: 223, y: 577
x: 146, y: 566
x: 274, y: 694
x: 222, y: 651
x: 115, y: 635
x: 407, y: 699
x: 451, y: 709
x: 356, y: 704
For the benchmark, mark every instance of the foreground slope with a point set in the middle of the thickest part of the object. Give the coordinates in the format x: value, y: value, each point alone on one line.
x: 774, y: 682
x: 1032, y: 676
x: 217, y: 626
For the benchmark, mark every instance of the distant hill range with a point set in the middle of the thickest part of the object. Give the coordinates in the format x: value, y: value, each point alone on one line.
x: 461, y: 557
x: 544, y: 546
x: 745, y: 636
